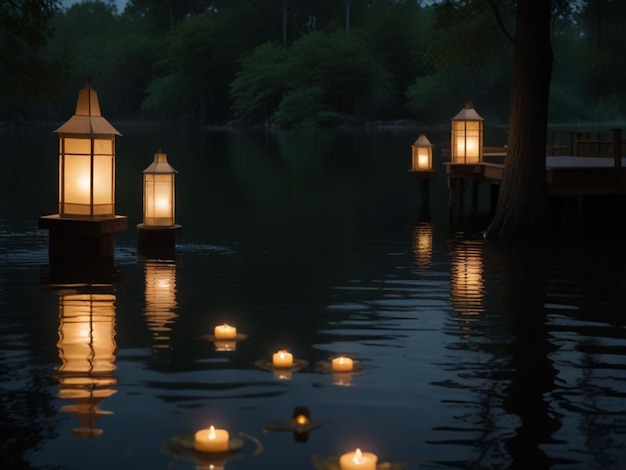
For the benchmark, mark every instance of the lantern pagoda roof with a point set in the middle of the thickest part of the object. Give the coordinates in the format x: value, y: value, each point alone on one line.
x: 160, y: 164
x: 422, y: 141
x: 468, y: 113
x: 87, y: 118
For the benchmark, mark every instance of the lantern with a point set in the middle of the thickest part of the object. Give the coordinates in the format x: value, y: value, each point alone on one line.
x: 422, y: 154
x: 156, y: 236
x: 83, y: 230
x: 159, y: 193
x: 87, y: 161
x: 467, y: 136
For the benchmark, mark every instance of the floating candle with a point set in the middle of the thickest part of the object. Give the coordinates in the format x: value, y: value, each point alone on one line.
x: 225, y: 331
x: 358, y: 460
x: 342, y: 364
x: 282, y: 359
x: 301, y: 420
x: 211, y: 440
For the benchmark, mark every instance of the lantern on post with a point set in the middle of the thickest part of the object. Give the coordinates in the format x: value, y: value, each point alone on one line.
x: 87, y: 161
x: 467, y: 136
x: 156, y: 235
x: 422, y: 166
x: 86, y: 221
x: 422, y: 154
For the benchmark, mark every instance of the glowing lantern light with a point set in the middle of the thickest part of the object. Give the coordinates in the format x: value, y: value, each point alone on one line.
x: 157, y: 234
x: 467, y: 136
x: 159, y: 193
x: 422, y: 155
x: 87, y: 161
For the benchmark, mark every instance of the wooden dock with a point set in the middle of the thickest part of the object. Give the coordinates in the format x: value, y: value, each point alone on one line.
x: 565, y: 176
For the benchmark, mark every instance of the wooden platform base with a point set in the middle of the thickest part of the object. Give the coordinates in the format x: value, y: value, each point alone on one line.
x: 81, y: 239
x: 157, y: 242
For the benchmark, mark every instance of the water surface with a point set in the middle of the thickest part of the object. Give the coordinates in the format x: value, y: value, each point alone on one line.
x: 471, y: 354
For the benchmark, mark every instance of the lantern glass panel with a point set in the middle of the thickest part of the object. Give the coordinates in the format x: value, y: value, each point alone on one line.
x: 71, y: 146
x: 466, y: 137
x: 79, y: 196
x: 75, y: 184
x: 103, y: 182
x: 423, y: 158
x: 159, y: 199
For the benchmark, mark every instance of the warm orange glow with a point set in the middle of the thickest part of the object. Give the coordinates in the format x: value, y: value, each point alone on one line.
x: 467, y: 136
x: 301, y: 420
x: 358, y: 460
x: 225, y: 331
x: 422, y: 154
x: 87, y: 352
x: 466, y: 280
x: 282, y: 359
x: 160, y: 293
x: 423, y: 244
x: 87, y: 161
x: 211, y: 440
x: 159, y: 193
x: 342, y: 364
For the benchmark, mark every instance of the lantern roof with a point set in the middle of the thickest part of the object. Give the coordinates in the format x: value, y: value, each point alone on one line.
x: 422, y: 141
x: 468, y: 113
x: 160, y: 164
x: 87, y: 118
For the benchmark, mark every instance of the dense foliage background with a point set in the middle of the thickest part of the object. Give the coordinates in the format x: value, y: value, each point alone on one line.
x: 300, y: 62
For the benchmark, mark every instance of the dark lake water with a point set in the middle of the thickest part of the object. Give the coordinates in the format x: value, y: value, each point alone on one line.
x: 471, y: 354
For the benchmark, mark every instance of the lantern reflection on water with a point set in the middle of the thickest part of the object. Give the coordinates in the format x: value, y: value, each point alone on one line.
x: 466, y: 280
x: 160, y: 278
x: 423, y: 244
x: 87, y: 352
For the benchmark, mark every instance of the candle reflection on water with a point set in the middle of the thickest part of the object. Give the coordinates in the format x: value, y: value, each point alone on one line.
x: 160, y: 292
x: 87, y: 352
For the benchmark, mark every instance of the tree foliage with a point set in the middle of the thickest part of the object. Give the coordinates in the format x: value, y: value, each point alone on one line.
x: 207, y: 61
x: 25, y: 74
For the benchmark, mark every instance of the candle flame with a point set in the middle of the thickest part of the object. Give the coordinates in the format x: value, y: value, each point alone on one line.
x: 358, y: 457
x: 301, y: 419
x: 212, y: 434
x: 282, y: 353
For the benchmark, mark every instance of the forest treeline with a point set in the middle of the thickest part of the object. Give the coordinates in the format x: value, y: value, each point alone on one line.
x: 303, y: 62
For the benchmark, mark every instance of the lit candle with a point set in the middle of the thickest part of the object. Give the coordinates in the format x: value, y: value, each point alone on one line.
x: 282, y: 359
x: 225, y: 331
x: 358, y: 460
x: 211, y: 440
x: 342, y: 364
x: 301, y: 420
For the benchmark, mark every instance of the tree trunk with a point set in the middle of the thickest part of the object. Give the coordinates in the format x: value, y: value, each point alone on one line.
x: 522, y: 209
